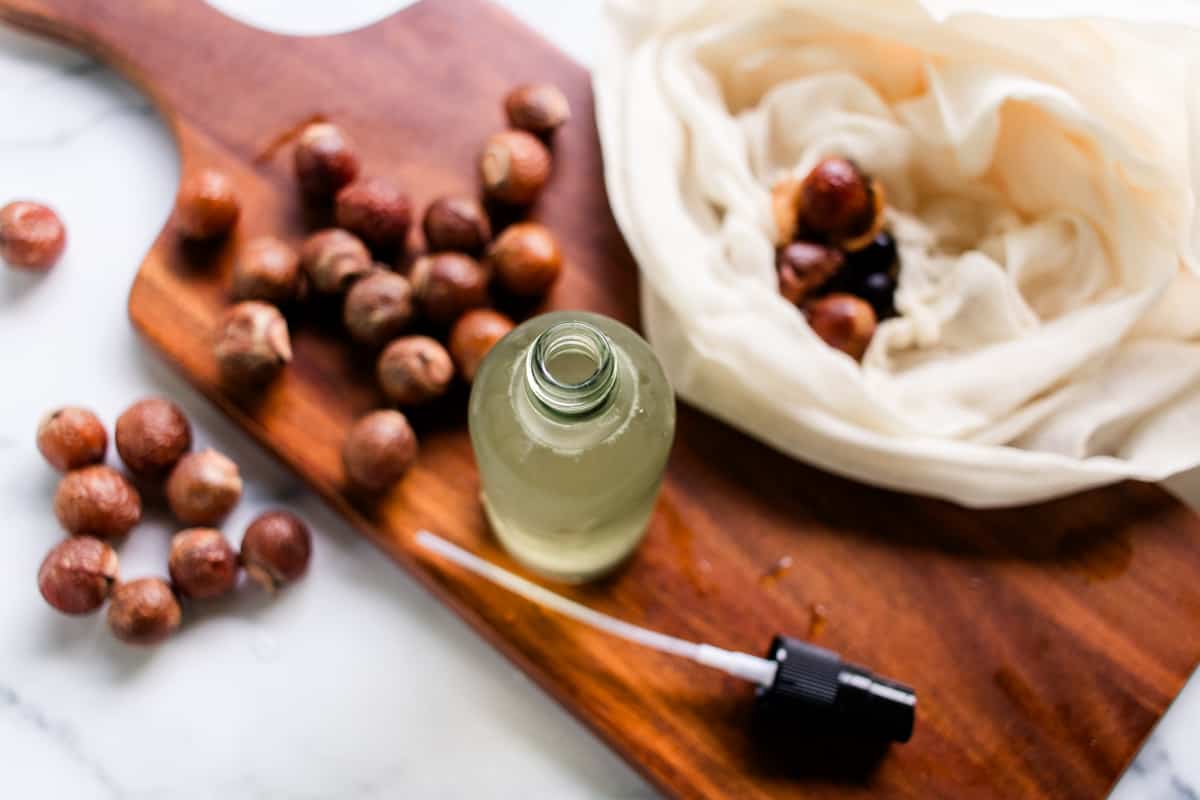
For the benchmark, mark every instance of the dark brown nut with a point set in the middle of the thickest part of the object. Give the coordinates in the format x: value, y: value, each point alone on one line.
x: 526, y: 259
x: 378, y: 450
x: 276, y: 549
x: 78, y: 574
x: 539, y: 108
x: 457, y: 224
x: 152, y: 435
x: 377, y: 210
x: 252, y: 344
x: 514, y: 166
x: 447, y: 284
x: 324, y: 159
x: 31, y: 235
x: 839, y: 204
x: 207, y: 205
x: 473, y: 336
x: 803, y: 267
x: 844, y: 322
x: 144, y: 611
x: 203, y: 488
x: 267, y: 269
x: 203, y: 564
x: 414, y: 370
x: 785, y: 209
x: 378, y: 308
x: 71, y: 438
x: 97, y: 501
x: 333, y: 259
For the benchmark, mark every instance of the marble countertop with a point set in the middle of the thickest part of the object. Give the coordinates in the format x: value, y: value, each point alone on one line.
x: 354, y: 683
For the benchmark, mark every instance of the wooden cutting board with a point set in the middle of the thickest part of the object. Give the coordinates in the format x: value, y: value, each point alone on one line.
x: 1044, y: 642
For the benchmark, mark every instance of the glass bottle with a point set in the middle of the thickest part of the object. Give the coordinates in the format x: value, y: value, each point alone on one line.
x: 572, y: 420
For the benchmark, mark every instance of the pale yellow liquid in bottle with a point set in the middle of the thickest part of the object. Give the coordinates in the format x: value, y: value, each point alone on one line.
x: 571, y: 448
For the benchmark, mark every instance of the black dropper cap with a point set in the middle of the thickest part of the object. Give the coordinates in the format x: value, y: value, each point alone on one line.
x: 815, y: 689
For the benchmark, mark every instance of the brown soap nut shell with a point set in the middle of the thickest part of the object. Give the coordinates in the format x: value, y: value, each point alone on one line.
x: 202, y: 563
x: 378, y: 308
x: 514, y: 167
x: 447, y: 284
x: 803, y: 267
x: 333, y: 259
x: 144, y: 611
x: 378, y: 450
x: 151, y: 436
x: 276, y: 549
x: 267, y: 269
x: 413, y: 370
x: 473, y: 337
x: 526, y: 259
x: 97, y: 501
x: 456, y: 224
x: 837, y: 202
x: 540, y: 108
x: 203, y: 488
x: 77, y: 576
x: 252, y: 344
x: 324, y: 160
x: 785, y: 210
x: 32, y: 236
x: 375, y: 209
x: 207, y: 205
x: 844, y: 322
x: 72, y: 437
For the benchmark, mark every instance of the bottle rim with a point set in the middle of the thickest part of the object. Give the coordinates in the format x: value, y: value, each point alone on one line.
x: 565, y: 397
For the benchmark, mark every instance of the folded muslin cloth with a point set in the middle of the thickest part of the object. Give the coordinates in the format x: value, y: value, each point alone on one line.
x: 1042, y: 179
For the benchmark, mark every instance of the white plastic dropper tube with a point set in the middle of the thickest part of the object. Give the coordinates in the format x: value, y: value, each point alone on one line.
x: 740, y: 665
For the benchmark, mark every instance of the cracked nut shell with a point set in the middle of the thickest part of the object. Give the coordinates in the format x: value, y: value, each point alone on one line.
x: 844, y: 322
x: 324, y: 160
x: 473, y: 337
x: 152, y: 435
x: 97, y: 501
x: 540, y: 108
x: 526, y: 259
x: 378, y: 450
x: 252, y: 344
x: 276, y: 549
x: 207, y: 205
x: 32, y: 236
x: 267, y: 269
x: 77, y: 576
x: 203, y: 488
x: 202, y: 563
x: 514, y: 167
x: 413, y: 370
x: 72, y: 437
x: 144, y: 611
x: 456, y: 224
x: 333, y: 259
x: 378, y: 308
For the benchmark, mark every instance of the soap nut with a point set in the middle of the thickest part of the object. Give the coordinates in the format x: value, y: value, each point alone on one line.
x: 514, y: 167
x: 72, y: 437
x: 202, y: 563
x: 207, y: 205
x: 32, y: 236
x: 333, y: 259
x: 144, y: 611
x: 97, y: 501
x: 267, y: 269
x: 252, y: 344
x: 376, y: 210
x: 77, y: 576
x: 458, y: 224
x: 473, y: 337
x: 378, y: 308
x: 152, y: 435
x: 276, y: 549
x: 447, y: 284
x: 803, y: 267
x: 379, y: 449
x: 413, y: 370
x: 844, y: 322
x: 325, y: 160
x: 203, y: 488
x: 540, y: 108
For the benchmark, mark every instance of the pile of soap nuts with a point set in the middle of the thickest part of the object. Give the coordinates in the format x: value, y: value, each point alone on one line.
x: 98, y: 506
x: 834, y: 259
x: 448, y: 286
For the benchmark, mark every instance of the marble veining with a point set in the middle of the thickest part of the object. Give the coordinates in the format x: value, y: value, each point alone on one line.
x: 353, y: 684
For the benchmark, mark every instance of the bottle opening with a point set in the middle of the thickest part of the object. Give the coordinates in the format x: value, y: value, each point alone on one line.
x: 571, y: 368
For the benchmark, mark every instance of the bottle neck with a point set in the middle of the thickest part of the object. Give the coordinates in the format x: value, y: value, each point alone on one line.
x: 571, y: 370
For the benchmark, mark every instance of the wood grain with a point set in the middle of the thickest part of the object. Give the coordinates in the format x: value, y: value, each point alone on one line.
x: 1044, y: 642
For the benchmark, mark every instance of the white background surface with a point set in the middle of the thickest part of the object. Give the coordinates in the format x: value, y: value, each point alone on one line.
x: 354, y: 683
